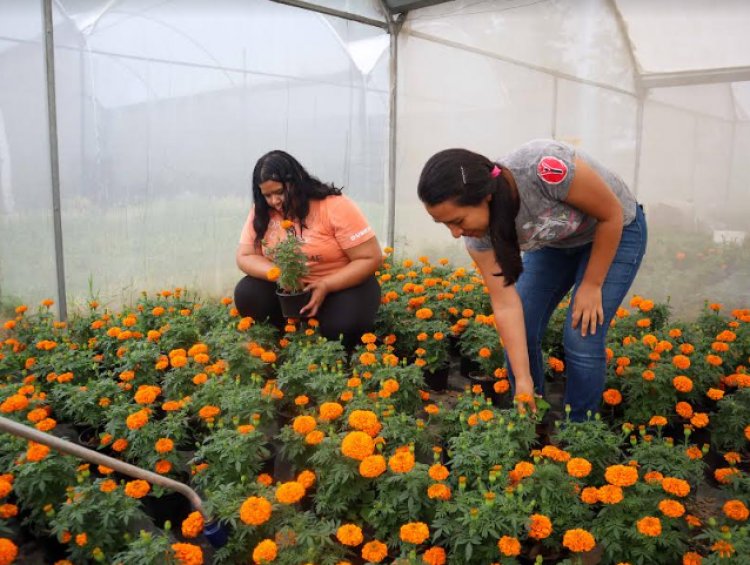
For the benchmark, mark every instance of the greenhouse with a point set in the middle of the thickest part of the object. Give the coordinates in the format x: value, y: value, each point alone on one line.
x: 156, y: 406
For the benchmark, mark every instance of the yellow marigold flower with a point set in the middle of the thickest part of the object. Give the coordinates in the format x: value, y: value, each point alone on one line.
x: 290, y: 492
x: 736, y: 510
x: 509, y: 546
x: 255, y: 511
x: 621, y: 475
x: 649, y: 526
x: 676, y: 487
x: 414, y: 532
x: 578, y: 540
x: 401, y: 462
x: 578, y: 467
x: 439, y: 491
x: 671, y: 508
x: 350, y: 534
x: 192, y: 526
x: 265, y: 552
x: 137, y: 489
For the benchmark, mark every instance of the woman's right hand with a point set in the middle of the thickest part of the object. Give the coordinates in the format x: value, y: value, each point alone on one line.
x: 525, y: 395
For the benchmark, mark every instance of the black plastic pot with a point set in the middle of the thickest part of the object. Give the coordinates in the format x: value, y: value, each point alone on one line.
x: 437, y: 379
x: 170, y: 506
x: 468, y: 365
x: 291, y: 304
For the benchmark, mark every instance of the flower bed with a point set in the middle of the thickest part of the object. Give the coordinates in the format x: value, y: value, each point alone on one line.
x: 308, y: 455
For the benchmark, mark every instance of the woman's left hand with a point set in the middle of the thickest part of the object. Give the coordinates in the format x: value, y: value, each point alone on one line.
x: 319, y: 291
x: 587, y: 308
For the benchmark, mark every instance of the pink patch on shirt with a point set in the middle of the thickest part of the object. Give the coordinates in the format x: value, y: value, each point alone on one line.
x: 552, y: 170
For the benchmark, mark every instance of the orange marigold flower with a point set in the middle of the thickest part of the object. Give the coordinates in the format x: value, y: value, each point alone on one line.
x: 8, y: 511
x: 5, y: 488
x: 681, y: 362
x: 540, y: 526
x: 649, y: 526
x: 374, y: 551
x: 609, y: 494
x: 265, y: 552
x: 357, y: 445
x: 256, y: 510
x: 401, y: 462
x: 314, y: 437
x: 736, y: 510
x: 509, y: 546
x: 676, y: 487
x: 365, y: 421
x: 304, y: 424
x: 578, y: 467
x: 682, y: 383
x: 438, y: 491
x: 350, y: 534
x: 14, y: 403
x: 658, y: 421
x: 120, y: 445
x: 138, y: 419
x: 424, y: 314
x: 612, y: 396
x: 578, y: 540
x: 671, y: 508
x: 692, y: 558
x: 684, y: 410
x: 372, y: 466
x: 434, y: 556
x: 621, y: 475
x: 209, y: 412
x: 306, y: 478
x: 290, y: 492
x: 715, y: 394
x: 414, y: 532
x: 164, y: 445
x: 36, y: 452
x: 699, y: 420
x: 723, y: 548
x: 137, y: 489
x: 438, y: 472
x: 163, y: 466
x: 187, y: 553
x: 108, y: 485
x: 726, y: 475
x: 330, y: 411
x: 192, y: 526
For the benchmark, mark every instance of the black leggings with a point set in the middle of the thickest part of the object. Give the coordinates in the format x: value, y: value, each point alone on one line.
x: 348, y: 313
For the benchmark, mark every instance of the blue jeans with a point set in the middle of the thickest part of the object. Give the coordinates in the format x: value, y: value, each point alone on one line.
x: 548, y: 274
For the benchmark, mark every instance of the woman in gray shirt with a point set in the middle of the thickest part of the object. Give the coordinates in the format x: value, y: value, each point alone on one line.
x: 578, y: 226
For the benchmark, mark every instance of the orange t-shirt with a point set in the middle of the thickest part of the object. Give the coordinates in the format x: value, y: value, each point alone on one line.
x: 334, y: 224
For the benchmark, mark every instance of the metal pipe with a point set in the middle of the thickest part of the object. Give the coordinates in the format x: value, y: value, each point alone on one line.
x: 49, y: 60
x: 312, y: 7
x: 64, y: 446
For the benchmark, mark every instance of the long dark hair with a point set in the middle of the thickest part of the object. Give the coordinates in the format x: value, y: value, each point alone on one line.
x: 300, y: 188
x: 464, y: 176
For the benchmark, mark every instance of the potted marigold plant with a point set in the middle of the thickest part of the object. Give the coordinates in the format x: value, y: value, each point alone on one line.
x: 291, y: 267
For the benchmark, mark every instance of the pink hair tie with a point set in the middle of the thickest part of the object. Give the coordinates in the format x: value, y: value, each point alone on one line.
x: 495, y: 172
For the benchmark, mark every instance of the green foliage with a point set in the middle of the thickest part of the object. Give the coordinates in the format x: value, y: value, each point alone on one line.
x: 287, y: 255
x: 592, y: 440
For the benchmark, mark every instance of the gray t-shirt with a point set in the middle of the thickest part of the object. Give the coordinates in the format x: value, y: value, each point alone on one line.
x: 543, y: 170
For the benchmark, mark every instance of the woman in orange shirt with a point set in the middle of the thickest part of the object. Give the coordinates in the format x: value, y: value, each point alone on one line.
x: 342, y: 250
